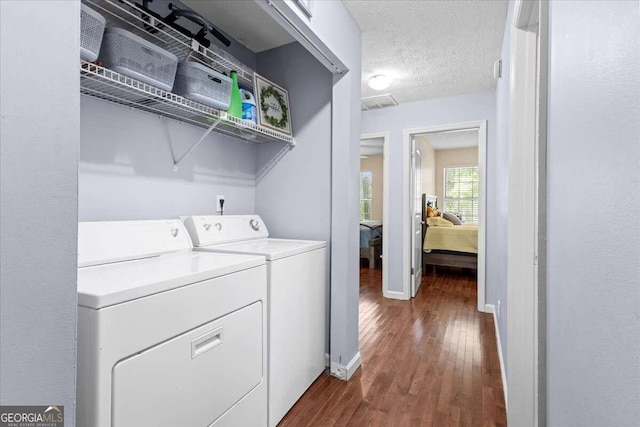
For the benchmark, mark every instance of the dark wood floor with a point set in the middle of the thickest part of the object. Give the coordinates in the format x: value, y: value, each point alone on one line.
x: 431, y: 361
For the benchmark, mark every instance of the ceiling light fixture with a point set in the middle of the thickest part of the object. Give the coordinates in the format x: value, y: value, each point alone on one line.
x: 379, y: 82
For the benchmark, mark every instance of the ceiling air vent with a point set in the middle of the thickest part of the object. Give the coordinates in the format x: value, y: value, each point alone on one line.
x: 378, y: 101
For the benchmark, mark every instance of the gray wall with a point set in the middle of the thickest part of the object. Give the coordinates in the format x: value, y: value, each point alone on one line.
x: 126, y: 167
x: 498, y: 180
x: 593, y: 199
x: 345, y: 177
x: 293, y: 187
x: 39, y: 135
x: 441, y: 111
x: 126, y: 162
x: 335, y: 28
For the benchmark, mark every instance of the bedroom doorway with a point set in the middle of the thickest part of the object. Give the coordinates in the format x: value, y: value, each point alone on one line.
x: 373, y: 202
x: 452, y: 156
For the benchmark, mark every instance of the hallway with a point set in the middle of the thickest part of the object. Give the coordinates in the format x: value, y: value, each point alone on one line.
x: 428, y: 362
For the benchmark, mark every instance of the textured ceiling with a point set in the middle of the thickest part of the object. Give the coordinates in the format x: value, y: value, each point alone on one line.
x: 451, y: 140
x: 433, y: 48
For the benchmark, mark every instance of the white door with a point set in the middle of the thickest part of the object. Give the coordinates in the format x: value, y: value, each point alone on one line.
x: 416, y: 220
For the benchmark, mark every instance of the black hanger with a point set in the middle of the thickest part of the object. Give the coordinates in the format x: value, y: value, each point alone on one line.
x: 176, y: 13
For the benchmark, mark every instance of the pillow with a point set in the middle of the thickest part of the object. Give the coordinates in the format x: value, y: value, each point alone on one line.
x: 437, y: 221
x: 451, y: 217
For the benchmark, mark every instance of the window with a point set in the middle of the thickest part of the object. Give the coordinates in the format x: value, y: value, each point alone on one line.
x: 366, y: 177
x: 461, y: 192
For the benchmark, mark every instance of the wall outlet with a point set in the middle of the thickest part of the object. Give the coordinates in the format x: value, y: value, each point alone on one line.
x: 498, y: 309
x: 218, y: 198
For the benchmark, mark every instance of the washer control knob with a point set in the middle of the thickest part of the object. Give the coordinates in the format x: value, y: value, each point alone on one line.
x: 207, y: 226
x: 175, y: 231
x: 254, y: 224
x: 218, y: 226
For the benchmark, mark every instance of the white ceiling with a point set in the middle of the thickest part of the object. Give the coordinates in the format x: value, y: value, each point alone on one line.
x: 451, y: 140
x: 371, y: 147
x: 243, y: 20
x: 431, y: 48
x: 438, y: 140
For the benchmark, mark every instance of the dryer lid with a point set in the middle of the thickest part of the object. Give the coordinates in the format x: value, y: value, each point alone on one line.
x: 105, y: 285
x: 272, y: 249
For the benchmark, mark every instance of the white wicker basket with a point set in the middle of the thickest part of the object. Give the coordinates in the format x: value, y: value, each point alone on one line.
x: 91, y: 31
x: 202, y: 84
x: 128, y: 54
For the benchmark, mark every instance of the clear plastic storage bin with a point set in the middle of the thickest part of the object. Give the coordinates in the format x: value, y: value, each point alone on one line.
x: 202, y: 84
x: 133, y: 56
x: 91, y: 31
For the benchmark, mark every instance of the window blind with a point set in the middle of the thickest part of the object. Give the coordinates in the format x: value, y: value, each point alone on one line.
x: 461, y: 192
x: 366, y: 189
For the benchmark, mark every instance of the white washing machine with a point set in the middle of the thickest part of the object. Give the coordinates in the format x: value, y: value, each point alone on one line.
x: 168, y: 336
x: 297, y: 295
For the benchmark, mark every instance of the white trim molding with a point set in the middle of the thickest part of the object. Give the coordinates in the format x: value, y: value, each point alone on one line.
x: 394, y: 295
x: 481, y: 126
x: 296, y: 23
x: 526, y: 261
x: 407, y: 215
x: 346, y: 372
x: 490, y: 308
x: 385, y: 211
x: 525, y: 14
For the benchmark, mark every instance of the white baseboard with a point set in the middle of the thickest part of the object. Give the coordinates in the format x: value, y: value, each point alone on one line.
x: 490, y: 308
x: 394, y: 295
x: 346, y: 372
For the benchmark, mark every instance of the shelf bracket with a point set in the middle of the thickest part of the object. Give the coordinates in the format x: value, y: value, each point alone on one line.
x: 193, y: 147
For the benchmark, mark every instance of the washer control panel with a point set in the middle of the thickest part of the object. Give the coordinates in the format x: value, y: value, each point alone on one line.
x: 217, y: 229
x: 104, y: 242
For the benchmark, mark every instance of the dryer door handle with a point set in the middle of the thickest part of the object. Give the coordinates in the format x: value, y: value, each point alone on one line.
x: 206, y: 342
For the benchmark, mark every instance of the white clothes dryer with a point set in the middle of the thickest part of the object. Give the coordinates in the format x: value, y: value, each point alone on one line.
x: 297, y: 299
x: 168, y: 336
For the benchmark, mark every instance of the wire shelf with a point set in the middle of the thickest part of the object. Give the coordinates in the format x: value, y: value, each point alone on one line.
x: 100, y: 82
x: 125, y: 14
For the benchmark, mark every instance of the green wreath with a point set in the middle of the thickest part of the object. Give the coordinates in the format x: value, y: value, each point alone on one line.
x: 271, y: 91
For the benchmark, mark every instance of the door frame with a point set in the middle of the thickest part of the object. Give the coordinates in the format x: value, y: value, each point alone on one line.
x: 413, y: 147
x: 526, y: 275
x: 385, y: 205
x: 481, y: 126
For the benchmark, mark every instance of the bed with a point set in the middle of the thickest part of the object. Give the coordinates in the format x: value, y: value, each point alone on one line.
x: 370, y: 241
x: 445, y: 244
